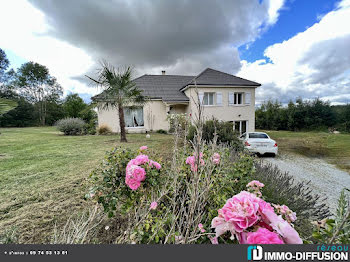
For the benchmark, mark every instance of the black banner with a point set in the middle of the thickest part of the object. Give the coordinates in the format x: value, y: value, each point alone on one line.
x: 213, y: 253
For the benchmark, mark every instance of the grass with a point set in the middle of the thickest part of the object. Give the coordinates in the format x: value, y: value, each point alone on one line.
x: 43, y: 176
x: 335, y: 148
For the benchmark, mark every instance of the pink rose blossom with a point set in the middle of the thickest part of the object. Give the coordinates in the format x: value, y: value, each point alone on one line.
x: 155, y: 164
x: 241, y: 210
x: 153, y: 205
x: 216, y: 158
x: 141, y: 159
x: 132, y: 183
x: 142, y: 148
x: 255, y: 183
x: 214, y: 240
x: 263, y: 236
x: 191, y: 160
x: 201, y: 228
x: 282, y: 227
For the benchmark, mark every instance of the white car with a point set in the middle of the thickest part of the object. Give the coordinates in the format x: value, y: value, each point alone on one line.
x: 259, y: 142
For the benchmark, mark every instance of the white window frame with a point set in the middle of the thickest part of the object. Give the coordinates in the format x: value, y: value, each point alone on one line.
x: 209, y: 93
x: 235, y: 98
x: 240, y: 126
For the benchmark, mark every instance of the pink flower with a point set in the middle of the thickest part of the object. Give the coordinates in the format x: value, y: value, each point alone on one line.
x: 139, y: 174
x: 132, y: 183
x: 141, y: 159
x: 136, y: 172
x: 191, y: 160
x: 221, y: 226
x: 255, y: 183
x: 241, y: 210
x: 201, y: 228
x: 214, y: 240
x: 216, y: 158
x: 153, y: 205
x: 142, y: 148
x: 282, y: 227
x: 155, y: 164
x: 263, y: 236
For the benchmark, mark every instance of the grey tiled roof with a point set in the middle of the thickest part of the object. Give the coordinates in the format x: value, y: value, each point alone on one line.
x: 165, y: 87
x: 170, y: 88
x: 213, y: 77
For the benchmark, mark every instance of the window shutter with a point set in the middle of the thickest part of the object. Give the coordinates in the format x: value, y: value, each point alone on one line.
x: 230, y: 98
x: 201, y: 96
x: 219, y: 98
x: 247, y: 98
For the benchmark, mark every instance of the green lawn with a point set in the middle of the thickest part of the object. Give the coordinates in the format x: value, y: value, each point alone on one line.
x: 335, y: 148
x: 43, y: 175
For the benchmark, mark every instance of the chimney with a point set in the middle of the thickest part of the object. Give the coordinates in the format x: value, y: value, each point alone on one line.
x: 163, y: 72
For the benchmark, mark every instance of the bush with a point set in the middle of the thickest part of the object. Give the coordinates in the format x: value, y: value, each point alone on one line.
x: 224, y: 130
x: 109, y: 184
x: 104, y: 130
x: 71, y: 126
x: 161, y: 131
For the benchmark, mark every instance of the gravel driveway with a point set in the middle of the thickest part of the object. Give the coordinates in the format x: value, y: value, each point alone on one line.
x: 326, y: 179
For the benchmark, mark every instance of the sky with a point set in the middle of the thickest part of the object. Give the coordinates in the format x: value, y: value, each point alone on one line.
x: 294, y: 48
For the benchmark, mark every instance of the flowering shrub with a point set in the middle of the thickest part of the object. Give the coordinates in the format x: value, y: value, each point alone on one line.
x: 124, y: 179
x: 251, y: 220
x: 181, y: 120
x: 135, y: 170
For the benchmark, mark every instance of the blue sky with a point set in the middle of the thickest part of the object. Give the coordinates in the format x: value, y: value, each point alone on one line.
x: 294, y: 17
x: 294, y: 48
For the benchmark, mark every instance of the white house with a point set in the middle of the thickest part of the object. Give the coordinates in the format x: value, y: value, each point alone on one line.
x: 223, y: 96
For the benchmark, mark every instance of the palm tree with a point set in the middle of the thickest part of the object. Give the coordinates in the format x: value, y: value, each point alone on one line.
x: 118, y: 91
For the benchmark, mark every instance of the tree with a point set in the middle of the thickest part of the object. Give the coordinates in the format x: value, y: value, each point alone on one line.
x: 118, y: 91
x: 6, y: 105
x: 73, y: 105
x: 4, y: 64
x: 38, y: 86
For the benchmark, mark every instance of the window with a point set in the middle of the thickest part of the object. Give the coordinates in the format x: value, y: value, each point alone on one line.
x: 258, y: 135
x: 241, y: 126
x: 235, y: 98
x: 238, y: 98
x: 133, y: 116
x: 208, y: 99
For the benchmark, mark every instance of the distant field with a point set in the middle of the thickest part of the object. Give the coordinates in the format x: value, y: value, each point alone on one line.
x: 335, y: 148
x: 42, y: 175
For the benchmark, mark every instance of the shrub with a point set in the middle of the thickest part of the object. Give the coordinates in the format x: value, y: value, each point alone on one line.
x: 224, y: 130
x: 161, y: 131
x: 334, y: 230
x: 71, y: 126
x: 110, y: 185
x: 104, y: 130
x: 178, y: 121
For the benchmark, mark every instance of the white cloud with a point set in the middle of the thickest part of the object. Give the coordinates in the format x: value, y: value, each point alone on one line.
x: 312, y: 63
x: 25, y: 35
x: 69, y: 37
x: 273, y: 11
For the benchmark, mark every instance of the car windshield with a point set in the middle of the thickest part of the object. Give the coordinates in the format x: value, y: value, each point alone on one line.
x: 258, y: 135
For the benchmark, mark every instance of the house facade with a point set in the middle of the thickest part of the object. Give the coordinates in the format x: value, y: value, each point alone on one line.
x: 222, y: 96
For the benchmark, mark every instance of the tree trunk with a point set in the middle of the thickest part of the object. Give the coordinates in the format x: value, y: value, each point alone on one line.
x: 122, y: 124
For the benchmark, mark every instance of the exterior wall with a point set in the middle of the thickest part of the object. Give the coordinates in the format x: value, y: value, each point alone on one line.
x: 155, y: 111
x: 154, y: 115
x: 225, y: 112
